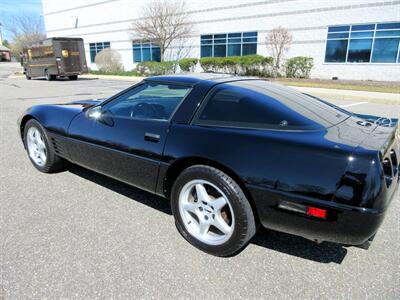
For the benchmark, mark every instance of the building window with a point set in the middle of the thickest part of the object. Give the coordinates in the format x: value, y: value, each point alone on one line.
x: 228, y: 44
x: 145, y: 51
x: 365, y: 43
x: 96, y: 48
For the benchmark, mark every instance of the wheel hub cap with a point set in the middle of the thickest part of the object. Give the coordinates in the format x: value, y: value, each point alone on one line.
x: 206, y: 212
x: 36, y: 146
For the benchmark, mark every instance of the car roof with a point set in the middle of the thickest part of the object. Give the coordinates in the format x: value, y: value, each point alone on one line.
x: 194, y: 78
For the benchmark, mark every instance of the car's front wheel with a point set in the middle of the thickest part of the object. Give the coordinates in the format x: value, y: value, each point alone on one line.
x: 40, y: 151
x: 211, y: 211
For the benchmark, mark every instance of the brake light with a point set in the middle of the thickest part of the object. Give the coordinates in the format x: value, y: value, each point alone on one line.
x: 316, y: 212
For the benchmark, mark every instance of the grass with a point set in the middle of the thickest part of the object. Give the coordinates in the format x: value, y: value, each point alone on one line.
x: 118, y: 73
x: 382, y: 87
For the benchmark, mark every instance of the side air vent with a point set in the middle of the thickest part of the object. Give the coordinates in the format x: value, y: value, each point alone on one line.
x: 395, y: 162
x: 388, y: 171
x: 57, y: 147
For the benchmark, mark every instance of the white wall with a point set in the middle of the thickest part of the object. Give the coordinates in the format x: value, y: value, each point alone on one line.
x: 101, y: 21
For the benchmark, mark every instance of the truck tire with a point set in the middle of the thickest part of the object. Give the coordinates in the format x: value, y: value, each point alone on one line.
x: 48, y: 76
x: 73, y: 77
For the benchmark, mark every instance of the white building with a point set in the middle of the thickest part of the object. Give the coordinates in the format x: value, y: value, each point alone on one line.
x: 349, y: 39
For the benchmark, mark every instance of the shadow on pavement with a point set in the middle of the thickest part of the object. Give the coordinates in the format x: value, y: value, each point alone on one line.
x: 286, y: 243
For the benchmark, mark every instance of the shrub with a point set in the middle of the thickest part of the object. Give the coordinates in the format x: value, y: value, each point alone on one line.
x: 255, y: 65
x: 155, y: 68
x: 187, y: 64
x: 118, y: 73
x: 299, y: 67
x: 109, y: 60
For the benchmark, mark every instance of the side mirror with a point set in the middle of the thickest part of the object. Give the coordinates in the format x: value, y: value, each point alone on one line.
x: 98, y: 114
x: 94, y: 112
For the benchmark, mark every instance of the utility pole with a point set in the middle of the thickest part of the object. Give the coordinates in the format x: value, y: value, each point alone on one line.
x: 1, y: 35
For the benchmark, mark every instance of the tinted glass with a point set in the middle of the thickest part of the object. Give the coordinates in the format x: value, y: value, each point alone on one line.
x: 234, y: 50
x: 336, y: 51
x: 249, y: 49
x: 338, y: 35
x: 387, y: 33
x: 361, y: 34
x: 219, y: 50
x: 258, y: 104
x: 388, y: 26
x: 206, y: 51
x: 363, y: 27
x: 146, y: 54
x: 338, y: 28
x: 147, y: 101
x: 156, y: 54
x: 385, y: 50
x: 137, y: 55
x: 359, y: 50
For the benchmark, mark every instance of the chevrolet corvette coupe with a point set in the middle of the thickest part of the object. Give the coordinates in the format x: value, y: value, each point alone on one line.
x: 231, y: 153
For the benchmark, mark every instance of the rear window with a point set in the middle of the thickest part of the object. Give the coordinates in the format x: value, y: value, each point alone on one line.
x: 259, y: 104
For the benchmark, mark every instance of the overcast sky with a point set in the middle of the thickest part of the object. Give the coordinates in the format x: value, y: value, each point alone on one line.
x: 9, y: 8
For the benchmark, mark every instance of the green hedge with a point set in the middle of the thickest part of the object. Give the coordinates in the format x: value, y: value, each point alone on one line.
x: 119, y: 73
x: 153, y: 68
x: 255, y: 65
x: 187, y: 64
x: 299, y: 67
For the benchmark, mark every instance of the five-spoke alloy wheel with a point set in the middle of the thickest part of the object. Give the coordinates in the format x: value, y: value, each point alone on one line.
x: 211, y: 211
x: 40, y: 151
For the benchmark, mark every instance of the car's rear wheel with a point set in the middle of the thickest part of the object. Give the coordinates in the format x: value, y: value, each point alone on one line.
x: 211, y: 211
x: 40, y: 151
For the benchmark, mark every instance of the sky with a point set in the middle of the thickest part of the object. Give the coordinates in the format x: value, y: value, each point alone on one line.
x: 9, y: 8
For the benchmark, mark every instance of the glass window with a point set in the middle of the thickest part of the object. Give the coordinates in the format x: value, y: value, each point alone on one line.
x: 96, y: 48
x: 336, y: 51
x: 353, y: 44
x: 362, y: 34
x: 147, y: 101
x: 359, y: 50
x: 231, y: 44
x: 206, y: 51
x: 234, y: 50
x: 251, y: 104
x: 249, y: 49
x: 338, y: 28
x: 388, y: 26
x: 363, y: 27
x: 385, y: 50
x: 387, y: 33
x: 145, y: 51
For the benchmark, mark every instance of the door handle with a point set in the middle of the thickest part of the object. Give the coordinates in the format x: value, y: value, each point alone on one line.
x: 152, y: 137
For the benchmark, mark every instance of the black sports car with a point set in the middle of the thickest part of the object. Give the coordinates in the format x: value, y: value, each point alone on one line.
x: 230, y: 153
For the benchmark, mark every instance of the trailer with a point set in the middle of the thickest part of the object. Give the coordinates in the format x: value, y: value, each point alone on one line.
x: 55, y: 57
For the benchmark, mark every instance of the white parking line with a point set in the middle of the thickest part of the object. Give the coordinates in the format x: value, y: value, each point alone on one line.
x: 353, y: 104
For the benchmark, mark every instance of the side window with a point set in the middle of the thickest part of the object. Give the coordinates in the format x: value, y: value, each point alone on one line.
x: 148, y: 101
x: 233, y: 106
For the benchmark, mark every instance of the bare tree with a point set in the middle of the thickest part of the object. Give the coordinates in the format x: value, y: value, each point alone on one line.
x: 163, y: 22
x: 24, y: 29
x: 278, y: 41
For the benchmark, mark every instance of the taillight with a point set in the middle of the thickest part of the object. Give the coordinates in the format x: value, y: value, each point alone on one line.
x: 311, y: 211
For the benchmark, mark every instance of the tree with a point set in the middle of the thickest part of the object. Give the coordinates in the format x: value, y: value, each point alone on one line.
x: 278, y: 42
x: 24, y: 29
x: 163, y: 22
x: 109, y: 60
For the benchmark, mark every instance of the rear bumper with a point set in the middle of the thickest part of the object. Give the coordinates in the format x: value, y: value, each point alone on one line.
x: 344, y: 224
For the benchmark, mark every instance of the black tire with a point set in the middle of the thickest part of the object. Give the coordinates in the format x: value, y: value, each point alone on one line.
x: 48, y: 76
x: 27, y: 77
x: 73, y: 77
x: 245, y: 225
x: 53, y: 162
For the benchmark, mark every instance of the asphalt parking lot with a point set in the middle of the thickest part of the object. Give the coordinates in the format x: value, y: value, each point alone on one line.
x: 76, y: 234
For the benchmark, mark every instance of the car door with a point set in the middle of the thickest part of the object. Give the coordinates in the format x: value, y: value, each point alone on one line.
x: 125, y: 137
